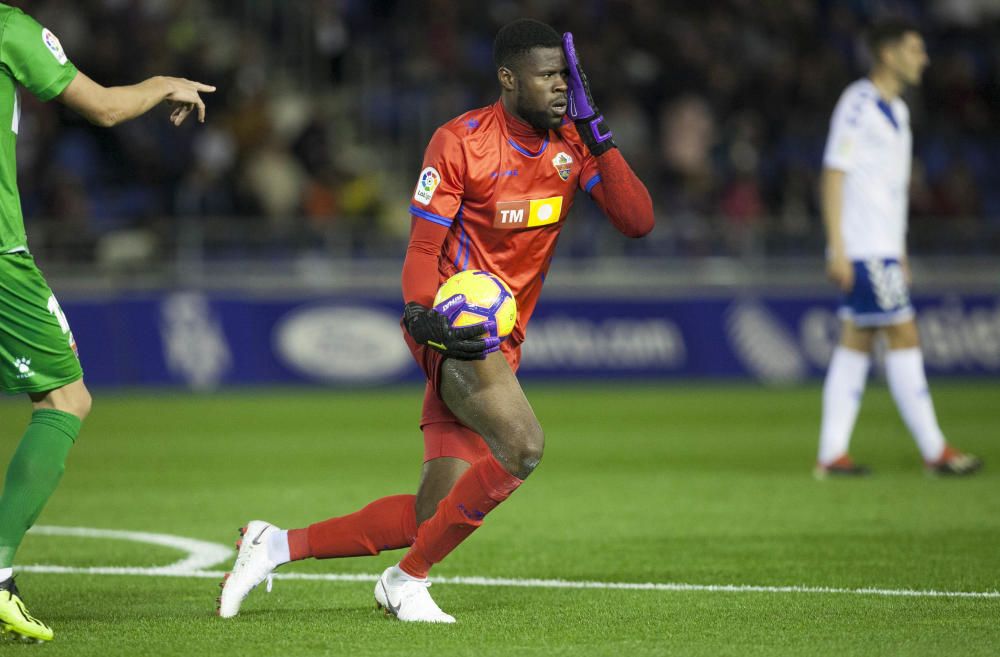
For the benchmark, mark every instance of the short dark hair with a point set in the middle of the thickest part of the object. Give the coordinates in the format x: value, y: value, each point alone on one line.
x: 518, y: 37
x: 887, y: 32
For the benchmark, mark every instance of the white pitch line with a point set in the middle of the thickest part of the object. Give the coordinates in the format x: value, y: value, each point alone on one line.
x: 201, y: 554
x: 204, y: 553
x: 528, y: 583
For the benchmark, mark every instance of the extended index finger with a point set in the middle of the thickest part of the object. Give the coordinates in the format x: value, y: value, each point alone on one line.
x: 569, y: 48
x: 201, y: 86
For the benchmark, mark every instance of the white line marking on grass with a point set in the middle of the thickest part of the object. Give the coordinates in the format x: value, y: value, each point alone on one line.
x: 203, y: 553
x: 200, y: 554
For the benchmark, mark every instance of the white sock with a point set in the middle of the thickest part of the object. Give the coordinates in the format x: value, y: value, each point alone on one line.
x: 277, y: 547
x: 6, y: 573
x: 400, y: 574
x: 842, y: 391
x: 904, y: 368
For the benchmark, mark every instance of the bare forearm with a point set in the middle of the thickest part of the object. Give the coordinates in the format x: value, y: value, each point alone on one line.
x: 831, y: 205
x: 108, y: 106
x: 128, y: 102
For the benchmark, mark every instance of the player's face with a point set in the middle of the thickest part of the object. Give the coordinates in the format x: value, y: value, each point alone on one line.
x: 909, y: 58
x: 541, y: 88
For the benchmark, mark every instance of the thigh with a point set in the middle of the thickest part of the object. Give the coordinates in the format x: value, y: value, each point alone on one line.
x: 435, y: 410
x: 903, y: 335
x: 71, y: 398
x: 486, y: 396
x: 855, y: 337
x: 37, y: 350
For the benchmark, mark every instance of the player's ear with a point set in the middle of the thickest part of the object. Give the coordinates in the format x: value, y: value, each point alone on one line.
x: 506, y: 77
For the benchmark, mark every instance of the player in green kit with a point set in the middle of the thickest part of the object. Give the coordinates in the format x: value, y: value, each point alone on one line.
x: 37, y: 351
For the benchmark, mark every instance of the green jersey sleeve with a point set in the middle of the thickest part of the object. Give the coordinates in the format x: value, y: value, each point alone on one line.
x: 34, y: 56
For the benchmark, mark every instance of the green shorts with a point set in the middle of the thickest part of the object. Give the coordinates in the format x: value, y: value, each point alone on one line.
x: 37, y: 350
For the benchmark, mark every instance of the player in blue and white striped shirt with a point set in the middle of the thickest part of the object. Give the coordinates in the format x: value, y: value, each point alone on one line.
x: 864, y: 191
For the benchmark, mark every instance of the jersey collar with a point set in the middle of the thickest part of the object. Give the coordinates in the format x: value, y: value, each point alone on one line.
x: 523, y: 138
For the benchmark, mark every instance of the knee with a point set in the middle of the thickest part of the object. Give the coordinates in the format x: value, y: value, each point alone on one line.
x: 904, y: 336
x: 528, y: 450
x: 74, y: 399
x: 79, y: 404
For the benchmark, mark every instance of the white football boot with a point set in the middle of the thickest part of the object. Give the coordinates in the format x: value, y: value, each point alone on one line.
x: 253, y: 565
x: 407, y: 599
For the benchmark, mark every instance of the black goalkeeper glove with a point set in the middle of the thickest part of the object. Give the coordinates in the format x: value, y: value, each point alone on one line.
x: 432, y: 327
x: 594, y: 131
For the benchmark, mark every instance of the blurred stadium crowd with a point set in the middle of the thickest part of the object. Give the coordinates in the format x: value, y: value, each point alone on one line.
x: 323, y: 108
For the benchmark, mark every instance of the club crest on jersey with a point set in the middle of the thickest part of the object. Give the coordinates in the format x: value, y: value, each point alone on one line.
x: 563, y: 164
x: 533, y: 213
x: 426, y: 184
x: 52, y: 43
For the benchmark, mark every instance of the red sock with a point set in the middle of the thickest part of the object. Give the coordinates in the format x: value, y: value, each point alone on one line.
x: 477, y: 492
x: 386, y: 524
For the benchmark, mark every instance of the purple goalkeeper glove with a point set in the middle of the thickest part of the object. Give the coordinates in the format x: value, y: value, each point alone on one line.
x: 432, y: 327
x: 593, y: 130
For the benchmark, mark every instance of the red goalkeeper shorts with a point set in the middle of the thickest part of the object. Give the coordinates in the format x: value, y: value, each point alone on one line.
x: 444, y: 434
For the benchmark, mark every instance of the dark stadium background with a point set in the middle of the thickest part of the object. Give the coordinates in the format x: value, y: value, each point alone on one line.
x: 198, y: 247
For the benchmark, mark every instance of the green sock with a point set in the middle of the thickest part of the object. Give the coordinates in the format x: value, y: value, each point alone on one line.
x: 33, y: 475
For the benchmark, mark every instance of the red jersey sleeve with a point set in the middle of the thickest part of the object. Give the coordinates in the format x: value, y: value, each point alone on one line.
x: 616, y: 189
x: 420, y: 268
x: 590, y: 174
x: 436, y: 200
x: 622, y: 196
x: 438, y: 194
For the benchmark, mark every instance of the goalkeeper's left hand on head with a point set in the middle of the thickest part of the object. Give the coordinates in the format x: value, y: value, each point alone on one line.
x: 594, y: 131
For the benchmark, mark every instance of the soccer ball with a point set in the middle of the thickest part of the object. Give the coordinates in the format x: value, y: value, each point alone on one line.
x: 486, y: 297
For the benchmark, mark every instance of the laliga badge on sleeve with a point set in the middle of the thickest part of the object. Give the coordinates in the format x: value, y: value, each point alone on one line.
x: 52, y: 43
x: 426, y: 184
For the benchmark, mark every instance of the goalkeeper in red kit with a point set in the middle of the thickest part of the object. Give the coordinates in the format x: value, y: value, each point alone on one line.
x: 495, y: 189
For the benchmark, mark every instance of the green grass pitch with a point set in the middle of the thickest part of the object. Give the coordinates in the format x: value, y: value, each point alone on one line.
x: 694, y: 484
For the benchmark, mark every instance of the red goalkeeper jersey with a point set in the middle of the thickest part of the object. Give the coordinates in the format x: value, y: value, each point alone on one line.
x: 503, y: 204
